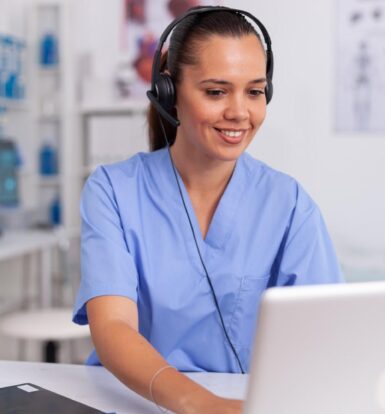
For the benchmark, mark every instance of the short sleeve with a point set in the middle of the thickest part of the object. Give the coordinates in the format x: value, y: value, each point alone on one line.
x: 307, y: 255
x: 107, y: 267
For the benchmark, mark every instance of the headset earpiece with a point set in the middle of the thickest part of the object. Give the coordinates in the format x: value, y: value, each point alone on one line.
x: 165, y: 91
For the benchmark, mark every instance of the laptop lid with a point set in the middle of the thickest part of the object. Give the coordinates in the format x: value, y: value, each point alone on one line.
x: 319, y: 350
x: 32, y: 399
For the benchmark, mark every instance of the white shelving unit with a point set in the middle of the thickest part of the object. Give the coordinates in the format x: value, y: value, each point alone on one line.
x: 127, y: 107
x: 50, y: 104
x: 54, y: 111
x: 112, y: 131
x: 14, y: 105
x: 84, y: 136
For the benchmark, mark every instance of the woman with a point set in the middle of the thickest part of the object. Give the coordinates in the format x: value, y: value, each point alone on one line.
x: 147, y: 266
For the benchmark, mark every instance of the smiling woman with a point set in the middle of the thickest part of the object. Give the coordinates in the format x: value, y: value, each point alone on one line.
x: 179, y: 244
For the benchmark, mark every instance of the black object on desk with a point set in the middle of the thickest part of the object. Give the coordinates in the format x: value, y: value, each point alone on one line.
x: 32, y: 399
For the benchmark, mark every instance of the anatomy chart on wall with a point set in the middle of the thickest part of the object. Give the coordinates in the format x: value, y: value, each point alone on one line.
x: 360, y: 57
x: 143, y: 23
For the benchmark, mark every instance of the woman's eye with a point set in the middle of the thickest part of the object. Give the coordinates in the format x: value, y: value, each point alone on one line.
x: 256, y: 92
x: 214, y: 92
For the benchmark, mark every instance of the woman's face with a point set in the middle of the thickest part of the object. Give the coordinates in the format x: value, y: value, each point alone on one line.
x: 220, y: 100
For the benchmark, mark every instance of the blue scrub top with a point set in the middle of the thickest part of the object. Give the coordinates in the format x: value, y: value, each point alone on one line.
x: 136, y: 242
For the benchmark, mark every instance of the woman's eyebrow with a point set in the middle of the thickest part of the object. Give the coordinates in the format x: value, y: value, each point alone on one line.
x: 224, y: 82
x: 259, y: 80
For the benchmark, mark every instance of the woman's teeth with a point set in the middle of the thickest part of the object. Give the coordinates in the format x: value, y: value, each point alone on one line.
x: 232, y: 134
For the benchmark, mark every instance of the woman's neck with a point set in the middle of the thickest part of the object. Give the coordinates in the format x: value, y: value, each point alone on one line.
x: 201, y: 175
x: 205, y: 181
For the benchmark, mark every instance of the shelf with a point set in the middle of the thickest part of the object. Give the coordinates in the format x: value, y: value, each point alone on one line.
x: 13, y: 105
x: 49, y: 118
x: 49, y: 180
x: 49, y: 71
x: 138, y: 106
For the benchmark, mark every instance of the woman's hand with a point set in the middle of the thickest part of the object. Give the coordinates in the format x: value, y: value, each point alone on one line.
x: 226, y: 406
x: 215, y: 405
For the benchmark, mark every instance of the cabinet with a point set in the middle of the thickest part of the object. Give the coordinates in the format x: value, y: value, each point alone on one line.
x: 48, y: 111
x: 56, y: 166
x: 81, y: 137
x: 13, y: 115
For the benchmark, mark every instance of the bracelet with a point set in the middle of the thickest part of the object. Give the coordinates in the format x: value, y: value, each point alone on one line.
x: 152, y: 382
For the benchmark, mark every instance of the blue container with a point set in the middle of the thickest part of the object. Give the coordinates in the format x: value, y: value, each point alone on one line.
x: 9, y: 75
x: 3, y: 66
x: 11, y: 86
x: 19, y: 64
x: 11, y: 68
x: 9, y: 193
x: 55, y: 212
x: 48, y: 160
x: 49, y: 53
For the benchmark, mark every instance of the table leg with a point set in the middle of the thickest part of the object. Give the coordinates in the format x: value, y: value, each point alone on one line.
x: 50, y: 351
x: 26, y: 281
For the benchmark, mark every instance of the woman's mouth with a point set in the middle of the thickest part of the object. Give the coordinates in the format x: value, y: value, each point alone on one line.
x: 231, y: 136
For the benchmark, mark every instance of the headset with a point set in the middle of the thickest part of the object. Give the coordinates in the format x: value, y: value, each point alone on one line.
x: 163, y: 94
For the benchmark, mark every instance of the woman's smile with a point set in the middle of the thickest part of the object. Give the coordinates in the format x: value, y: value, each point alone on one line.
x: 232, y: 136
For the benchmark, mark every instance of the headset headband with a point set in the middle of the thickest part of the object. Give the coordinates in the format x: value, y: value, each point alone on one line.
x: 174, y: 23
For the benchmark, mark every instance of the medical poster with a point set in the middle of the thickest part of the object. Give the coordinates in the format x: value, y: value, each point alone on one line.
x: 143, y: 22
x: 360, y: 57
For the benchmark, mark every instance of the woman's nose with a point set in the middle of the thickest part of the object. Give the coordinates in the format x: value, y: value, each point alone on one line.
x: 237, y: 108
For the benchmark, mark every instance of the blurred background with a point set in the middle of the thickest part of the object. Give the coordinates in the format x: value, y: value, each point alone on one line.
x: 73, y: 76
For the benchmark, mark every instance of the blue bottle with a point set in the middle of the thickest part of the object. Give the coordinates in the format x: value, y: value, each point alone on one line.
x: 48, y: 160
x: 49, y: 53
x: 20, y: 68
x: 9, y: 194
x: 3, y: 66
x: 10, y: 75
x: 55, y: 211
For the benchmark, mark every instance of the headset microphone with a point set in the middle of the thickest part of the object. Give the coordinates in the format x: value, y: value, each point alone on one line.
x: 168, y: 117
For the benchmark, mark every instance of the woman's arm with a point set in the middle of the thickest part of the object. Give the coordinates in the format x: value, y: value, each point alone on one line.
x: 131, y: 358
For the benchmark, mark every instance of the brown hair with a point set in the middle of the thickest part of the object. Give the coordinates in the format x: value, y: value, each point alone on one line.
x: 184, y: 44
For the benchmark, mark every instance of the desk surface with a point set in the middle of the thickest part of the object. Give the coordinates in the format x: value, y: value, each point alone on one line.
x: 96, y: 387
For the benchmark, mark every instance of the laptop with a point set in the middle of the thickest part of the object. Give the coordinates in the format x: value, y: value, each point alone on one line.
x: 32, y: 399
x: 319, y: 350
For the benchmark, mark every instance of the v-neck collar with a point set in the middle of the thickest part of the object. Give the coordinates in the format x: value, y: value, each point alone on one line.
x: 224, y: 216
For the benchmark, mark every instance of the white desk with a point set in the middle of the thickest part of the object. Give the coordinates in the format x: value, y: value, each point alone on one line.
x: 96, y: 387
x: 21, y: 244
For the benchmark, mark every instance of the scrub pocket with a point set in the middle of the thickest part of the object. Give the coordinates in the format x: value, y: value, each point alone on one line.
x: 243, y: 322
